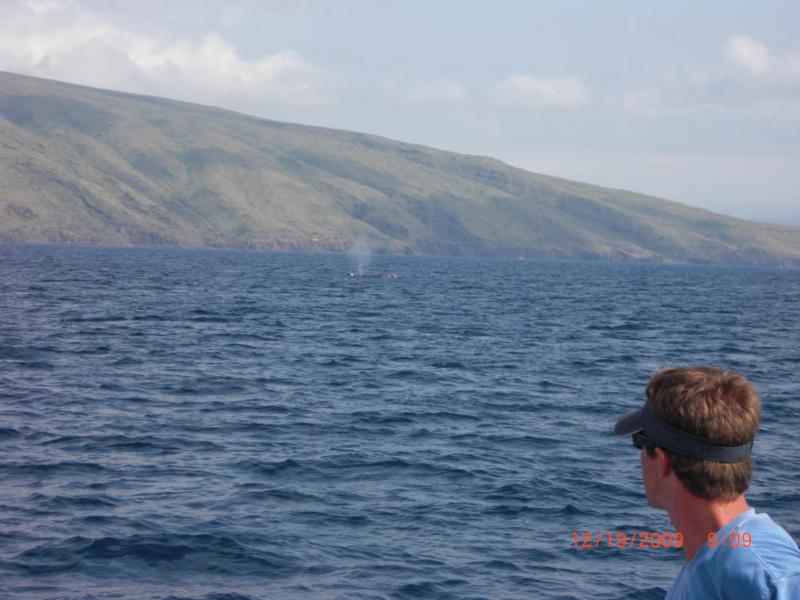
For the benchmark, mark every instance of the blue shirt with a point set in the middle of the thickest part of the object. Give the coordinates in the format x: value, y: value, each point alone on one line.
x: 769, y: 569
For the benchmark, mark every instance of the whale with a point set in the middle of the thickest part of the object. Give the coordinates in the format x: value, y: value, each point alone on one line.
x: 374, y: 276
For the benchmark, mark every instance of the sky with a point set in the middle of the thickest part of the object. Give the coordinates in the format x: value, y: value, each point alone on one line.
x: 697, y: 102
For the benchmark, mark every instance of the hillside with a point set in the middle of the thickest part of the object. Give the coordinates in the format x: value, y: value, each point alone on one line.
x: 83, y: 165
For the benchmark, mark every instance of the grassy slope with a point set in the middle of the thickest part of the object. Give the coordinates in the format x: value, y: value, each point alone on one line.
x: 90, y: 166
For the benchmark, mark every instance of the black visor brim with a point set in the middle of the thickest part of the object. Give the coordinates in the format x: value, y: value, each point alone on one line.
x: 630, y: 423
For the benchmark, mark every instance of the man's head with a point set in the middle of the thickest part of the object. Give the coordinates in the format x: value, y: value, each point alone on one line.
x: 703, y: 419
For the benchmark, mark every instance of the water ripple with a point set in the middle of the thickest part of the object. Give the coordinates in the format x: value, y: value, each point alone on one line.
x: 240, y: 425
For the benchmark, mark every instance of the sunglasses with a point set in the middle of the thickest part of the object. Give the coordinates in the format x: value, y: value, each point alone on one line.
x: 640, y: 440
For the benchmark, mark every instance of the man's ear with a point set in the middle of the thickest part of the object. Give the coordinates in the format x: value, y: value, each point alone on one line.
x: 663, y: 462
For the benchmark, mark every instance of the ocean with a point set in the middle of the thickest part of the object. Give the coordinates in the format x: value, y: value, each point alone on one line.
x: 191, y: 424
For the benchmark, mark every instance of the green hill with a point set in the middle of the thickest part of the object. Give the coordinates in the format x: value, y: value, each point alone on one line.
x: 83, y: 165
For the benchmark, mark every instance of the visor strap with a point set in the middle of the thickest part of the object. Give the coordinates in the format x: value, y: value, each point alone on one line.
x: 687, y: 444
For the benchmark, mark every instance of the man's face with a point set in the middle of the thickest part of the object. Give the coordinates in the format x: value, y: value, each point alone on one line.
x: 651, y: 479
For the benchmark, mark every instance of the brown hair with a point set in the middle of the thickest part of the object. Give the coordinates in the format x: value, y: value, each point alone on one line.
x: 719, y: 405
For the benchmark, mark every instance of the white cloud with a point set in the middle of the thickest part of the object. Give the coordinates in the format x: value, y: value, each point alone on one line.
x: 526, y: 91
x: 64, y: 41
x: 42, y: 7
x: 755, y: 59
x: 755, y: 81
x: 747, y: 54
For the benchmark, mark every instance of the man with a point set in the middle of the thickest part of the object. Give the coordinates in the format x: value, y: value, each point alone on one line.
x: 695, y: 433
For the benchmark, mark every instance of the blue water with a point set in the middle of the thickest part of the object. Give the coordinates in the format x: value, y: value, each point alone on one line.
x: 219, y: 424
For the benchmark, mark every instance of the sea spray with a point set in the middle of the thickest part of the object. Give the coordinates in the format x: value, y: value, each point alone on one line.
x: 361, y: 254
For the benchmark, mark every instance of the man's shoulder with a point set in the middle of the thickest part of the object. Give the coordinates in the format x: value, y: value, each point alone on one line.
x: 763, y: 564
x: 769, y: 544
x: 766, y: 560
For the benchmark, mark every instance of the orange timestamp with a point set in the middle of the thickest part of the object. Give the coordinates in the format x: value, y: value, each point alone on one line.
x: 733, y: 540
x: 619, y: 539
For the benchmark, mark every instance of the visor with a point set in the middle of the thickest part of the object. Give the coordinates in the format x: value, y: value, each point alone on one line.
x: 676, y: 440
